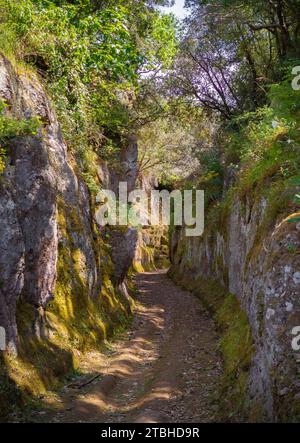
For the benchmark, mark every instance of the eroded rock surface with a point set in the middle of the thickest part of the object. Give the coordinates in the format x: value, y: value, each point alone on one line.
x: 45, y: 207
x: 258, y: 266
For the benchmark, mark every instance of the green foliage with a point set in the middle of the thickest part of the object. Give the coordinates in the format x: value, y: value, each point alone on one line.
x: 10, y: 128
x: 91, y: 57
x: 160, y: 46
x: 65, y: 37
x: 167, y: 150
x: 265, y: 143
x: 211, y: 179
x: 284, y: 98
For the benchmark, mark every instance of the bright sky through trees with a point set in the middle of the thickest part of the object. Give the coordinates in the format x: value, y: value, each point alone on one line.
x: 177, y: 9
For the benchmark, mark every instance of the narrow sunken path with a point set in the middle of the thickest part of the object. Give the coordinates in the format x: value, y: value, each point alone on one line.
x: 166, y: 368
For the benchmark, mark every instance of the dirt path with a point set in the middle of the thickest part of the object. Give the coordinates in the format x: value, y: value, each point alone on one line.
x: 165, y: 369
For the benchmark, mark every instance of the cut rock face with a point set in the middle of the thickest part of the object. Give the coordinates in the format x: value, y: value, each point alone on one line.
x: 259, y: 269
x: 36, y: 177
x: 39, y: 186
x: 28, y: 191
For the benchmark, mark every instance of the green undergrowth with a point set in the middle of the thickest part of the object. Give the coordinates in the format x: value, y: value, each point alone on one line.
x: 266, y: 143
x: 260, y: 149
x: 236, y: 344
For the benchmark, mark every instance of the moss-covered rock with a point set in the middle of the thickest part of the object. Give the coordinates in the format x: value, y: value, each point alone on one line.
x: 59, y: 295
x: 152, y: 251
x: 251, y: 250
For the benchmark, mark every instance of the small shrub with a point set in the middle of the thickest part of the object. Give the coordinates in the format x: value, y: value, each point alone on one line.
x: 11, y: 127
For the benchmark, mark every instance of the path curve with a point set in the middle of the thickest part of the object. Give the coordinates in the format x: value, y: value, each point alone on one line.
x: 166, y: 368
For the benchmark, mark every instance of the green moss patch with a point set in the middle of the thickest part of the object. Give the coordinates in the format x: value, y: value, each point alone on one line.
x: 237, y: 348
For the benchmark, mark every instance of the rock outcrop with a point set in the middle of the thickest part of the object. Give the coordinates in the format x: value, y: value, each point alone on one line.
x: 255, y: 255
x: 57, y: 272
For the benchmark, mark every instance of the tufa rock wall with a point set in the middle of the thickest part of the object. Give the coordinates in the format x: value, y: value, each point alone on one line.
x: 254, y: 254
x: 62, y: 285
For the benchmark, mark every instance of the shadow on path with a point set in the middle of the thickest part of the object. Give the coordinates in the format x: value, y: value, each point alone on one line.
x: 166, y: 368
